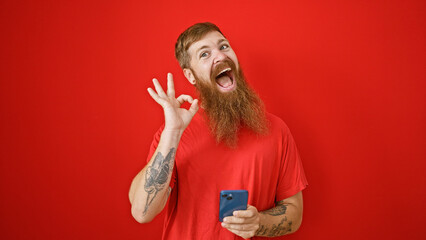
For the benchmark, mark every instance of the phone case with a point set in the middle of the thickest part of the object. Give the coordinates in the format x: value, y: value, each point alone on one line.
x: 230, y: 201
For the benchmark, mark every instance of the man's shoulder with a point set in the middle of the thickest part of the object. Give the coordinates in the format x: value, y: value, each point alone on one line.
x: 276, y: 122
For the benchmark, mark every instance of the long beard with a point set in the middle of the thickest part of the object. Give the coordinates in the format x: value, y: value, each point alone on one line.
x: 228, y: 112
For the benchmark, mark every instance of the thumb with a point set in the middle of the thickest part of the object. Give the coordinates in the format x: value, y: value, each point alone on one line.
x: 251, y: 207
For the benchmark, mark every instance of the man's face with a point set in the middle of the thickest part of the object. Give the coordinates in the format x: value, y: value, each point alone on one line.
x: 214, y: 62
x: 228, y: 102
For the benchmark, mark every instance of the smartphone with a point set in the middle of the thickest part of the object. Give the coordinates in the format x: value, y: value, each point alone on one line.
x: 230, y: 201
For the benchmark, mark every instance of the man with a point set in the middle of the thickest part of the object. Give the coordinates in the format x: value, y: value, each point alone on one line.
x: 229, y: 143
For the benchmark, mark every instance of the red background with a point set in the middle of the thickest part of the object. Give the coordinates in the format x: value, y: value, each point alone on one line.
x: 348, y: 77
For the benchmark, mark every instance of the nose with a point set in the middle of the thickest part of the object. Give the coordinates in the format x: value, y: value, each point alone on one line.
x: 219, y: 56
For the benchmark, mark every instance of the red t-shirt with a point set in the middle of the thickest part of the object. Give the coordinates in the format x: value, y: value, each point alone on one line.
x: 269, y: 167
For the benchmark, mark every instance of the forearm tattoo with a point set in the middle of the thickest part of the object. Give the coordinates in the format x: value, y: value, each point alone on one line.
x: 157, y: 174
x: 276, y: 211
x: 276, y: 229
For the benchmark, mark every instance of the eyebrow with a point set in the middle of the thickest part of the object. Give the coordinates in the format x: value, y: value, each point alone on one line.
x: 205, y: 46
x: 221, y: 40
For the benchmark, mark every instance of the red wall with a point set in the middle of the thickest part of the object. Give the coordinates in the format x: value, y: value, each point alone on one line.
x: 348, y: 77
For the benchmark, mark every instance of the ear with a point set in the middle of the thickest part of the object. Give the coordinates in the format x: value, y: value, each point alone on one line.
x: 189, y: 75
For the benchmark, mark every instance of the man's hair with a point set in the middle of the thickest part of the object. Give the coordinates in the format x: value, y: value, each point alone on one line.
x: 188, y: 37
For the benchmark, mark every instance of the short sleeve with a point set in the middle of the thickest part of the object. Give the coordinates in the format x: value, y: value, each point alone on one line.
x: 292, y: 177
x: 152, y: 149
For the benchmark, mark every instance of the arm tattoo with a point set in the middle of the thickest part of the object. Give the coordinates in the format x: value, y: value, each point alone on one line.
x: 157, y: 174
x: 274, y: 230
x: 276, y: 211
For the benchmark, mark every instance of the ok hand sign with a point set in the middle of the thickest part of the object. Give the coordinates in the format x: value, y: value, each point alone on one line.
x: 176, y: 118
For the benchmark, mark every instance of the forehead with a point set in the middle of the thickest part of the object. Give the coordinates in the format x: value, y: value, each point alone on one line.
x: 210, y: 39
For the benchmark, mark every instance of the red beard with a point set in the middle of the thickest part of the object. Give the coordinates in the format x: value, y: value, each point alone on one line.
x: 227, y: 112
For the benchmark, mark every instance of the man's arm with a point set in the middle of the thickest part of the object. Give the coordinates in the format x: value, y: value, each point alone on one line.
x: 150, y: 189
x: 284, y: 218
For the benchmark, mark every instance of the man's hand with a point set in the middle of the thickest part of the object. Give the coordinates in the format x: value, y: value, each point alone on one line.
x: 176, y: 118
x: 243, y: 223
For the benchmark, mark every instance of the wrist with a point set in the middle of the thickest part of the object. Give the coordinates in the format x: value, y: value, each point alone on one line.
x: 172, y: 133
x: 261, y: 224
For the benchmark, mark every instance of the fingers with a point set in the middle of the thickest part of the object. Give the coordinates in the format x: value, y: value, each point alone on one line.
x: 158, y: 88
x: 159, y: 95
x: 248, y: 216
x: 248, y: 232
x: 241, y: 227
x: 170, y: 85
x: 236, y: 220
x: 250, y: 212
x: 161, y: 98
x: 243, y: 223
x: 194, y: 107
x: 184, y: 98
x: 155, y: 96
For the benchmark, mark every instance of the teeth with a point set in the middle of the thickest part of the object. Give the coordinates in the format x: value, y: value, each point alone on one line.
x: 224, y: 70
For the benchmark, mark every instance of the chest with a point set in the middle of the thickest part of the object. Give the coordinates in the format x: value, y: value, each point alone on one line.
x: 201, y: 160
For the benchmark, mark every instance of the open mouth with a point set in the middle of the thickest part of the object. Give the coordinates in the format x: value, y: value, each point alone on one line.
x: 225, y: 80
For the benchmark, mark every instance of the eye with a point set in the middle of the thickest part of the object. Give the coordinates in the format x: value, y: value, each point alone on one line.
x: 204, y: 54
x: 224, y: 46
